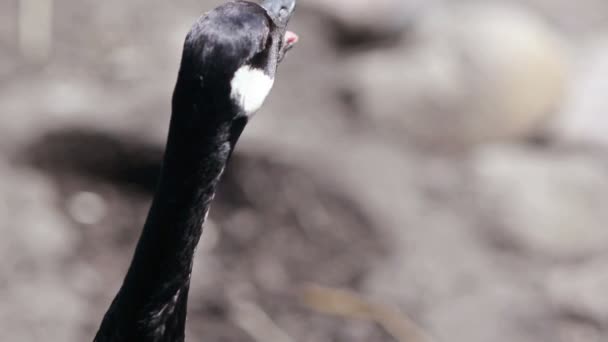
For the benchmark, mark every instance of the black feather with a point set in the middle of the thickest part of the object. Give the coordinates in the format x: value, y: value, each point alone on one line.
x: 205, y: 126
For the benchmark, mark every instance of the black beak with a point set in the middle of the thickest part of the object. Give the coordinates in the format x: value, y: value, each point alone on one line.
x: 280, y: 10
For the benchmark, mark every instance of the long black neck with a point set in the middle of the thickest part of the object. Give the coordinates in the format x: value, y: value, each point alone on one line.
x: 151, y: 304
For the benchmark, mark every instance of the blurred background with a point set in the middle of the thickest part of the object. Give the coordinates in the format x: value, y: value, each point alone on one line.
x: 424, y: 170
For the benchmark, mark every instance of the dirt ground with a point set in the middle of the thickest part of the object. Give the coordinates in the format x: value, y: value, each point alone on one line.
x: 332, y: 222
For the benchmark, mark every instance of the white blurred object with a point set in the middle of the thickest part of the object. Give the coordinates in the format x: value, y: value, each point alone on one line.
x: 473, y: 73
x: 550, y: 204
x: 87, y: 207
x: 584, y: 118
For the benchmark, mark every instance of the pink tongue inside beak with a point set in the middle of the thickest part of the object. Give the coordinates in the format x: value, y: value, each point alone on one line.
x: 291, y: 38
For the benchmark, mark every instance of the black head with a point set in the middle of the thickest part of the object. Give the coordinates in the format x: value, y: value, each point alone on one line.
x: 229, y: 62
x: 231, y: 55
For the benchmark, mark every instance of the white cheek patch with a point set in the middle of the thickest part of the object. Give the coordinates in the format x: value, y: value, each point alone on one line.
x: 250, y: 87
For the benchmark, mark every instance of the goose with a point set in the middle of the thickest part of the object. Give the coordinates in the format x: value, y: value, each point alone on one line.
x: 228, y: 67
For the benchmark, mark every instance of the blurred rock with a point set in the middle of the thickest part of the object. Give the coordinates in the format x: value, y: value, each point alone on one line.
x: 361, y: 19
x: 577, y: 331
x: 68, y: 100
x: 41, y: 307
x: 8, y: 24
x: 37, y: 303
x: 35, y: 30
x: 493, y: 312
x: 550, y: 204
x: 8, y: 39
x: 475, y: 73
x: 583, y: 119
x: 591, y: 15
x: 36, y: 230
x: 479, y: 70
x: 580, y: 290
